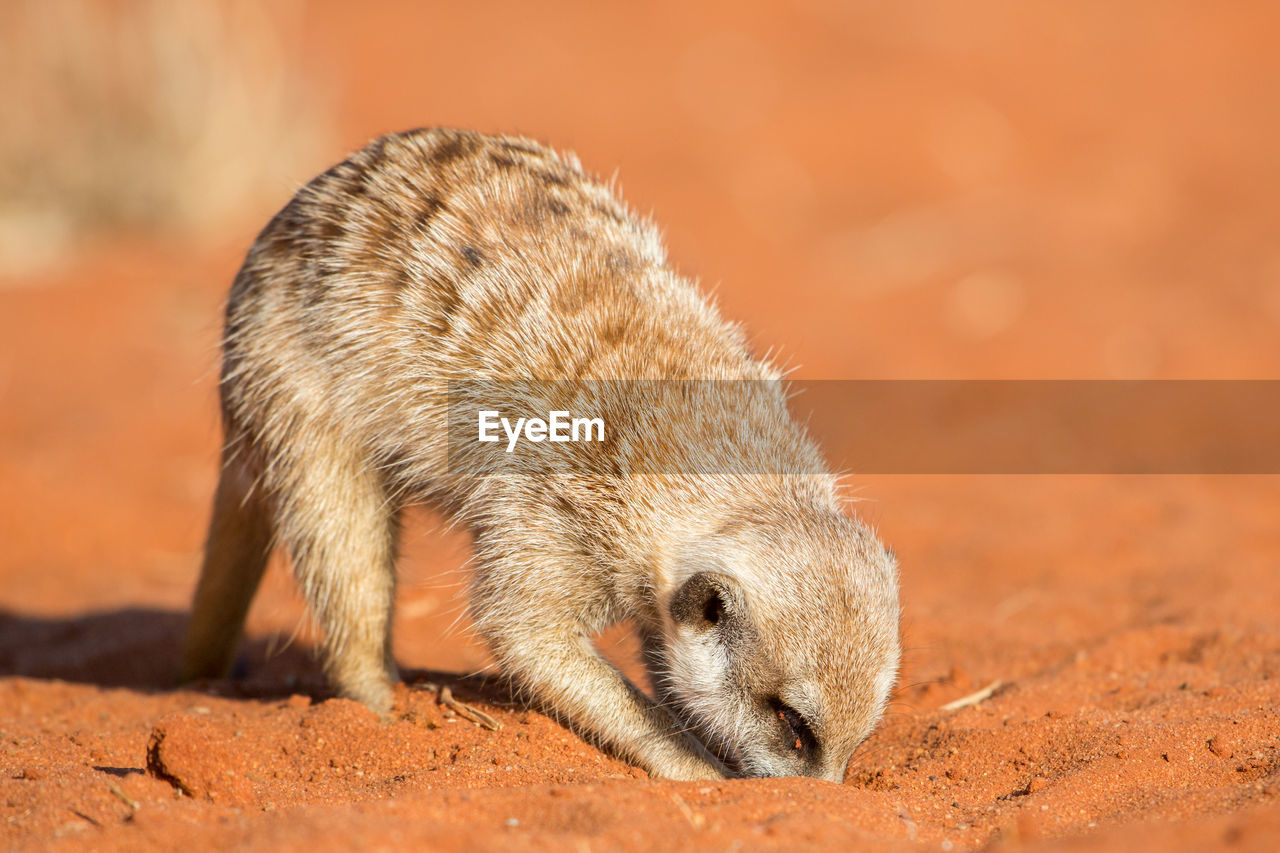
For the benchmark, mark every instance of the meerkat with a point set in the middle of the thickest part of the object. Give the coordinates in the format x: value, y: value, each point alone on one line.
x: 768, y: 616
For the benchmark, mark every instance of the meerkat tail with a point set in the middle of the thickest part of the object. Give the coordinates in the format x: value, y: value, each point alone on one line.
x: 236, y: 554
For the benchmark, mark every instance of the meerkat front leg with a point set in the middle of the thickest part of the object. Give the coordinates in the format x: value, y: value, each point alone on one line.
x: 570, y: 678
x: 550, y: 654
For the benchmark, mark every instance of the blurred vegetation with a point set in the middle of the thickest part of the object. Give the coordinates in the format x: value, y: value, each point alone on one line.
x: 138, y: 114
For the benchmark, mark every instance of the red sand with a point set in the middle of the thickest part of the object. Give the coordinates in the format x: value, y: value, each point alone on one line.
x: 927, y: 193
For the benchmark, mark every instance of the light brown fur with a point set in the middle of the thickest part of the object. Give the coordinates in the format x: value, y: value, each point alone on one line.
x: 769, y: 618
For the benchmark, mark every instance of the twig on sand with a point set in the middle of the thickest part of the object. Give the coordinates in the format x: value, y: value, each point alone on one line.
x: 122, y: 796
x: 475, y: 715
x: 974, y: 698
x: 695, y: 820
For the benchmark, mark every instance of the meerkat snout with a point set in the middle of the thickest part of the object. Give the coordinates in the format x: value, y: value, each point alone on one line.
x: 779, y: 667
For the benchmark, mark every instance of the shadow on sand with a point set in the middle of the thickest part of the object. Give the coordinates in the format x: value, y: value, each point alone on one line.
x: 141, y: 649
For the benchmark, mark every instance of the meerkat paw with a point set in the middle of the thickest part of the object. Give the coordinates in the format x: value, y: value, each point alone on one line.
x: 690, y: 769
x: 373, y: 691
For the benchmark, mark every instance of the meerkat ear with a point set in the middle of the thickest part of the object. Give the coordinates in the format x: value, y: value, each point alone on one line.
x: 705, y: 600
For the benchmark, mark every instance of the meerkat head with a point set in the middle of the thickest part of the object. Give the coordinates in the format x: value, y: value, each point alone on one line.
x: 780, y: 641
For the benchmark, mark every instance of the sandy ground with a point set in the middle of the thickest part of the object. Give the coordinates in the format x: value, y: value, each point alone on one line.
x: 919, y: 193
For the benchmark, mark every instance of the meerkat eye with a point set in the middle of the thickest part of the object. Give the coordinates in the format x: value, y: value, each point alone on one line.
x: 801, y: 735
